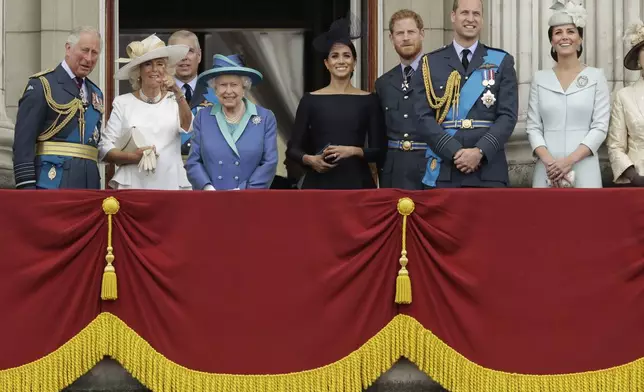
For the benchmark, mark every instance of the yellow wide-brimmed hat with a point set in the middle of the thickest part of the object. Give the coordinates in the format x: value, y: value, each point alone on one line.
x: 148, y: 49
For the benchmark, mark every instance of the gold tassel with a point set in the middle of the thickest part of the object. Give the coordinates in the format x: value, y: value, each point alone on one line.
x: 403, y: 282
x: 109, y: 287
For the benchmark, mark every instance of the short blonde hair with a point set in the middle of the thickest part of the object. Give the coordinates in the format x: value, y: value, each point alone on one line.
x: 135, y: 74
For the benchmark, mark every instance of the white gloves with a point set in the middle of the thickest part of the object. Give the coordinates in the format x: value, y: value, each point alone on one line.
x: 148, y: 161
x: 209, y: 187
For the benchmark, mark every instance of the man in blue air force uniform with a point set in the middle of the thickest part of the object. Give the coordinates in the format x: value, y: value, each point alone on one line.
x: 59, y: 121
x: 466, y: 101
x: 405, y: 160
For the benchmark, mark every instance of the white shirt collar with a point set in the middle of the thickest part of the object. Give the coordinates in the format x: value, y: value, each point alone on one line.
x: 73, y: 76
x: 69, y: 70
x: 192, y: 83
x: 460, y: 49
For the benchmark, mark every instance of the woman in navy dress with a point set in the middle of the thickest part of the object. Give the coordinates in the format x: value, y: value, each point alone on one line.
x: 332, y: 124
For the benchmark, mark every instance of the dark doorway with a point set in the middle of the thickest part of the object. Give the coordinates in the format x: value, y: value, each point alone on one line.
x: 312, y: 16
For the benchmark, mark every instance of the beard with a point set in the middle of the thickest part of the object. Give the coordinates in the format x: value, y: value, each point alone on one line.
x: 408, y: 52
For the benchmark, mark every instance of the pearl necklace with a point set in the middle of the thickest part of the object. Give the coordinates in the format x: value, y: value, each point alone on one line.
x: 149, y: 100
x: 235, y: 120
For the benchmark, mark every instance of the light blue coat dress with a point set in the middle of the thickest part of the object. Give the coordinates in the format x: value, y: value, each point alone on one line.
x: 230, y: 157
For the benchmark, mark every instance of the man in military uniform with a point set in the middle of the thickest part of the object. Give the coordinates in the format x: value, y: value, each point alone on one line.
x: 466, y: 101
x: 405, y: 161
x: 59, y: 121
x: 186, y: 78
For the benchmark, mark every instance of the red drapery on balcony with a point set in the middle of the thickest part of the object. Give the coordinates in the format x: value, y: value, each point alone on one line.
x: 513, y: 290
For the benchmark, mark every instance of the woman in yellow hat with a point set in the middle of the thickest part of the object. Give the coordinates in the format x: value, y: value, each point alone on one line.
x: 143, y: 133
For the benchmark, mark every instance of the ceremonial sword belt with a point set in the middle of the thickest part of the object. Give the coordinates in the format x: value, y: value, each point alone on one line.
x: 66, y: 149
x: 466, y: 124
x: 407, y: 145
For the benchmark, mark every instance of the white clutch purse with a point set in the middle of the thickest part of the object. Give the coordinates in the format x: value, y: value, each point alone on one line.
x: 134, y: 139
x: 567, y: 182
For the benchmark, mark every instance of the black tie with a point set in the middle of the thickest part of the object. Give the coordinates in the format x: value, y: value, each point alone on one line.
x: 408, y: 71
x: 464, y: 60
x: 188, y: 92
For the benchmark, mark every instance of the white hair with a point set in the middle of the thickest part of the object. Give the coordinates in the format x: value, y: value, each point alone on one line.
x: 185, y: 34
x: 74, y: 35
x: 247, y: 83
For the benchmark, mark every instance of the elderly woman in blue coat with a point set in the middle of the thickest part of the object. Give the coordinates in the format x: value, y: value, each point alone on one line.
x: 234, y: 142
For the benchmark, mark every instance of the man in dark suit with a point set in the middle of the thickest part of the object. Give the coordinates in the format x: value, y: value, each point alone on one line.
x: 58, y: 126
x: 405, y: 160
x: 466, y: 101
x: 186, y: 77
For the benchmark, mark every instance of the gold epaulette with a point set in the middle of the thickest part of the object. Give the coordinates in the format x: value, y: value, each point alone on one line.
x: 66, y: 112
x: 441, y: 105
x: 41, y: 73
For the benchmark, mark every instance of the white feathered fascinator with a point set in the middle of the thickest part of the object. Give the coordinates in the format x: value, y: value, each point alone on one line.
x: 568, y: 12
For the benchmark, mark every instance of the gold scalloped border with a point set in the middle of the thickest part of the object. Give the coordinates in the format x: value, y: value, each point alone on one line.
x: 403, y: 336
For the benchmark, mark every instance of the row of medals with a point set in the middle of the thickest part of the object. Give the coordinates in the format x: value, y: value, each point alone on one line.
x: 488, y: 98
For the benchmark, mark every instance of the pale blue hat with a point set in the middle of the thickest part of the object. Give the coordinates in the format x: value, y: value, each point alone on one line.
x: 229, y: 65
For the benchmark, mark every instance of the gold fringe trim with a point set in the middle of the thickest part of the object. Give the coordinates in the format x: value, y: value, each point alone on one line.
x: 458, y: 374
x: 63, y: 366
x: 403, y: 336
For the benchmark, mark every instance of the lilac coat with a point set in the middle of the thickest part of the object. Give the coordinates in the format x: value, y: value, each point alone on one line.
x: 245, y: 159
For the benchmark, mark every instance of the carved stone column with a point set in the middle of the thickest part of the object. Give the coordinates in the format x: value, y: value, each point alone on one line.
x: 6, y: 125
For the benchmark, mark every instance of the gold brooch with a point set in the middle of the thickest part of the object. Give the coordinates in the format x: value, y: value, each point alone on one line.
x: 52, y: 173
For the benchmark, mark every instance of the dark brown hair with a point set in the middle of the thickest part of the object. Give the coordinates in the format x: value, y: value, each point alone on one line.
x: 553, y: 52
x: 346, y: 42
